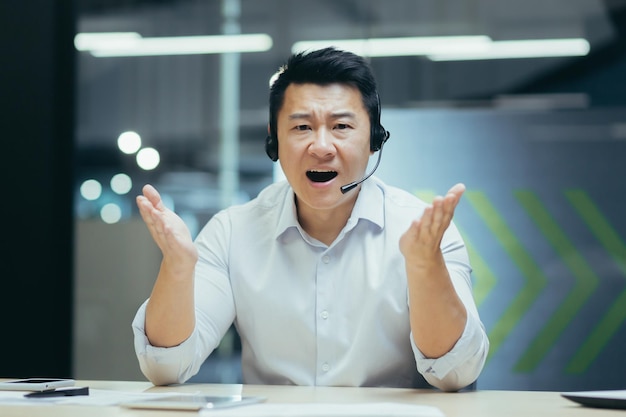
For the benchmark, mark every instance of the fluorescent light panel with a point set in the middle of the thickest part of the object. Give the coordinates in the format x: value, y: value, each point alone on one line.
x: 540, y: 48
x: 454, y: 48
x: 120, y: 44
x: 407, y: 46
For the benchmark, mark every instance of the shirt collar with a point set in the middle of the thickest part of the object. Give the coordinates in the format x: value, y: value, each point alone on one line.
x: 369, y: 206
x: 288, y: 217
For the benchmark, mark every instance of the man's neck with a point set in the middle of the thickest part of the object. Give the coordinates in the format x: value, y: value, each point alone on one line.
x: 324, y: 225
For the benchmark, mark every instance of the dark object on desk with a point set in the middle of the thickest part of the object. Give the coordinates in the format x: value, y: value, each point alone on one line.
x: 598, y: 399
x: 36, y: 384
x: 61, y: 392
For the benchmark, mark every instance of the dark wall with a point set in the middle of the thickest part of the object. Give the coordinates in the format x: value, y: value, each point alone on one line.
x: 36, y: 122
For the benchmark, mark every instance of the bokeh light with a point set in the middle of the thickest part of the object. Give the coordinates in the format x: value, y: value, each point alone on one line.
x: 111, y: 213
x: 148, y: 158
x: 121, y: 184
x: 90, y: 190
x: 129, y: 142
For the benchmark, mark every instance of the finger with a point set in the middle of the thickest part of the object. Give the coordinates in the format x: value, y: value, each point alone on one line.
x: 457, y: 189
x: 153, y: 196
x: 144, y: 206
x: 437, y: 217
x: 448, y: 206
x: 149, y: 216
x: 154, y: 219
x: 451, y: 200
x: 443, y: 210
x: 425, y: 223
x: 455, y: 193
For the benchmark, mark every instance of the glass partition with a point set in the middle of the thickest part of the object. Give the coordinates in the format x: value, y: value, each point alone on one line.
x: 529, y: 96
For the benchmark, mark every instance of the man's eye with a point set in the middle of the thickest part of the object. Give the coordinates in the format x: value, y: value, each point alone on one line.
x: 302, y: 127
x: 341, y: 126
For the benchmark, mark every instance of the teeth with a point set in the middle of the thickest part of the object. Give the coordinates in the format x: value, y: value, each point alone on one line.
x: 321, y: 176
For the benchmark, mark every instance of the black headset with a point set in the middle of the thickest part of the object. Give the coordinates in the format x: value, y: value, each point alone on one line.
x: 378, y: 136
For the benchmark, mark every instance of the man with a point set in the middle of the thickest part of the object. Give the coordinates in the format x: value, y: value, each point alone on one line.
x: 365, y: 286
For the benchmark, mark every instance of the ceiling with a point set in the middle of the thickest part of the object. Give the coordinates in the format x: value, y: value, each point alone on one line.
x: 174, y: 101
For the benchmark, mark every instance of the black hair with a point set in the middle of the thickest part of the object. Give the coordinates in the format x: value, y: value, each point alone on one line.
x: 323, y: 67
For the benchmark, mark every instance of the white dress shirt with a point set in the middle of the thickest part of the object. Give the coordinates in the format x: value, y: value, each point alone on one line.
x: 312, y: 314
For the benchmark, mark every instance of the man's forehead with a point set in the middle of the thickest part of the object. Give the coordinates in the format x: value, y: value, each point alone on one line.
x: 324, y: 93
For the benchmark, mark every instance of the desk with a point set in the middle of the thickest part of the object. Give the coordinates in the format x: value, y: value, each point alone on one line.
x: 464, y: 404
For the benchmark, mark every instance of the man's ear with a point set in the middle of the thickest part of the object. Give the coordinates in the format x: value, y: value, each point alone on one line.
x: 268, y: 129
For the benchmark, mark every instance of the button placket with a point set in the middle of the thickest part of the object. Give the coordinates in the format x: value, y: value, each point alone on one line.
x: 325, y: 275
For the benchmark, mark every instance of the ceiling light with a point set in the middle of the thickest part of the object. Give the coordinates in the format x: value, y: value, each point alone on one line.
x: 539, y: 48
x: 453, y: 48
x: 93, y: 41
x: 120, y: 44
x: 407, y: 46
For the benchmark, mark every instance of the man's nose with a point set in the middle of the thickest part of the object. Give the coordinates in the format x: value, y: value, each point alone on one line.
x: 322, y: 144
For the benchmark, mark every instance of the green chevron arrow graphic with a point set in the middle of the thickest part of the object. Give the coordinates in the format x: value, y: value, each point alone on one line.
x: 425, y: 195
x: 616, y: 314
x: 485, y: 278
x: 586, y: 282
x: 535, y: 279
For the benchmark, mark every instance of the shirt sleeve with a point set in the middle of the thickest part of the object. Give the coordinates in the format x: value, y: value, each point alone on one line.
x: 214, y: 313
x: 161, y: 365
x: 461, y: 366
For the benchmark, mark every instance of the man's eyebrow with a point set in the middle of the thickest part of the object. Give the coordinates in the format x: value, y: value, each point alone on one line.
x: 339, y: 115
x: 299, y: 116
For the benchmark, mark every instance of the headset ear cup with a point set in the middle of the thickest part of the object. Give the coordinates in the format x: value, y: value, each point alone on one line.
x: 271, y: 148
x: 378, y: 136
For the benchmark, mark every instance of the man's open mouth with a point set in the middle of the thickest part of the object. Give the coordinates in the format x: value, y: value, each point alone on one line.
x: 321, y: 176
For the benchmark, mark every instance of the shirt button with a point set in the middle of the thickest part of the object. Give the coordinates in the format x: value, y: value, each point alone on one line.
x: 324, y: 314
x: 325, y: 367
x: 326, y: 259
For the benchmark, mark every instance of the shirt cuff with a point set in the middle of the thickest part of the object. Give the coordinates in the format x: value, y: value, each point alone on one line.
x: 468, y: 351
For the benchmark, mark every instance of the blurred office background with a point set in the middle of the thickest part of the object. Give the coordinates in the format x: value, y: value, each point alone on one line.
x: 525, y: 102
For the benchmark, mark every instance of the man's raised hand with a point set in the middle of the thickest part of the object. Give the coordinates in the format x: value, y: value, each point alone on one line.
x: 168, y: 230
